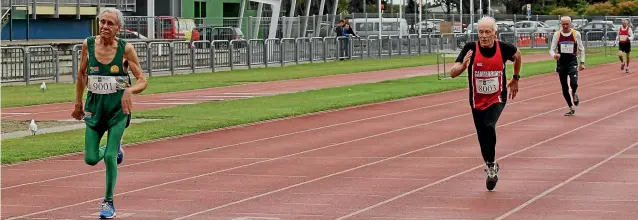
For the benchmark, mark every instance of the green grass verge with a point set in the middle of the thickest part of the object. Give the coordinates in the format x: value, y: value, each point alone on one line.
x: 212, y: 115
x: 25, y: 95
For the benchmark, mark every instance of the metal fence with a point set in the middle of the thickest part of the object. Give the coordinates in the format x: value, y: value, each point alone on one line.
x: 26, y: 64
x: 411, y: 23
x: 30, y: 63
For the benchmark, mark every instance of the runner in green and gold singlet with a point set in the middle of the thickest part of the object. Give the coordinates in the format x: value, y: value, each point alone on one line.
x: 108, y: 102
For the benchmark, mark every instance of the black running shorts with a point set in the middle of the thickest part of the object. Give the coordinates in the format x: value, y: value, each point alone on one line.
x: 624, y: 47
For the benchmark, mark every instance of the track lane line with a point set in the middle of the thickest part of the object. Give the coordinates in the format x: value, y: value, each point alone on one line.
x: 537, y: 197
x: 259, y: 162
x: 297, y: 132
x: 483, y: 165
x: 414, y: 151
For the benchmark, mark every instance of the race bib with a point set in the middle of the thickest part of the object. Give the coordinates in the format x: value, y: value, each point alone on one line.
x: 106, y: 84
x: 487, y: 86
x: 567, y: 47
x: 623, y: 37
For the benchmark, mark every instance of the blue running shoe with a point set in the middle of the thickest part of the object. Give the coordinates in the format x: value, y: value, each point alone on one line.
x: 120, y: 155
x: 108, y: 210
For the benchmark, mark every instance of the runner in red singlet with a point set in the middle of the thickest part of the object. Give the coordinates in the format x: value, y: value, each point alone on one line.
x: 624, y: 38
x: 569, y: 45
x: 485, y: 61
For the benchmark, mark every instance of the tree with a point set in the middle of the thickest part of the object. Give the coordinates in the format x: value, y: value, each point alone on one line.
x: 626, y: 8
x: 356, y: 6
x: 601, y: 9
x: 564, y: 11
x: 447, y: 3
x: 411, y: 7
x: 516, y: 7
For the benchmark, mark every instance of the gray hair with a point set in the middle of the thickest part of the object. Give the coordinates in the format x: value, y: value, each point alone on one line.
x: 488, y: 19
x: 118, y: 13
x: 566, y: 18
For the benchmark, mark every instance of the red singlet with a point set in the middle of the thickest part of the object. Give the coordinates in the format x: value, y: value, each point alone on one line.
x: 487, y: 78
x: 623, y: 35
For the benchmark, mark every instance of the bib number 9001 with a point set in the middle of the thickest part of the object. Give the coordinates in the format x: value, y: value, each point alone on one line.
x: 102, y: 84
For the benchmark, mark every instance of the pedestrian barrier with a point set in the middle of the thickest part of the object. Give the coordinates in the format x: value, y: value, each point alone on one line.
x: 27, y: 64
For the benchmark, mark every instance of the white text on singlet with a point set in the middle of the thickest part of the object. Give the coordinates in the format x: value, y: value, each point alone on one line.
x: 488, y: 85
x: 567, y: 47
x: 102, y: 84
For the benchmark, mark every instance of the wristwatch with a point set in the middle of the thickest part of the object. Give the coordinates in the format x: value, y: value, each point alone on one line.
x: 516, y: 76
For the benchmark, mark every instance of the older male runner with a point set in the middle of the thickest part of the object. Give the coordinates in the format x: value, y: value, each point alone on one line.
x: 569, y: 44
x: 486, y: 60
x: 624, y: 38
x: 108, y: 102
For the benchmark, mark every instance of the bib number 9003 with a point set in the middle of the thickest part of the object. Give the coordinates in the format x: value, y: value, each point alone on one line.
x: 102, y: 84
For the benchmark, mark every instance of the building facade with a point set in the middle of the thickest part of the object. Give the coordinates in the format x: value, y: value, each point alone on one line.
x: 79, y: 20
x: 23, y: 20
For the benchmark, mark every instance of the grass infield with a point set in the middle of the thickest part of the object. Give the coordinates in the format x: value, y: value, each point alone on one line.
x: 188, y: 119
x: 25, y: 95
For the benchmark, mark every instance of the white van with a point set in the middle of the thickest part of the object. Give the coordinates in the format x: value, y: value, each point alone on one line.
x: 365, y: 27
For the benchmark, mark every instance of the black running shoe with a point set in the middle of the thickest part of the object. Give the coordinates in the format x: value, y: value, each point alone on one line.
x: 622, y: 66
x: 576, y: 100
x: 570, y: 112
x: 492, y: 175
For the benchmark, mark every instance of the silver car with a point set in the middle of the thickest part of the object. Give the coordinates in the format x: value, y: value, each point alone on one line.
x: 533, y: 27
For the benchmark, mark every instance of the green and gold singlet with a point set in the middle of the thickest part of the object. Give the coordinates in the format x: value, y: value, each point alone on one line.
x: 105, y: 85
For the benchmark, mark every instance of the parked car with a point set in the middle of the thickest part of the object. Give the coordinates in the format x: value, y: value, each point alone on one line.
x: 505, y: 31
x: 212, y: 33
x: 129, y: 34
x: 598, y: 26
x: 577, y: 23
x: 506, y: 22
x: 533, y: 27
x: 554, y: 23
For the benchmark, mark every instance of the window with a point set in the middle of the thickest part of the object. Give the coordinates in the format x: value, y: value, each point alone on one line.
x: 253, y: 5
x: 200, y: 12
x: 200, y: 9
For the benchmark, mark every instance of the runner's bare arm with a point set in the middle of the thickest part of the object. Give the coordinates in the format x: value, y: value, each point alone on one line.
x: 459, y: 67
x: 131, y: 55
x: 518, y: 61
x: 78, y: 112
x: 81, y: 77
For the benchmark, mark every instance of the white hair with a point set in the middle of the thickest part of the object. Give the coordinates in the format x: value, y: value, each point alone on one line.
x: 118, y: 14
x: 488, y: 19
x: 567, y: 18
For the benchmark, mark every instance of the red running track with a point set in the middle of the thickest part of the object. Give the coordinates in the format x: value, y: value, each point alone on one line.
x: 62, y: 111
x: 411, y: 158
